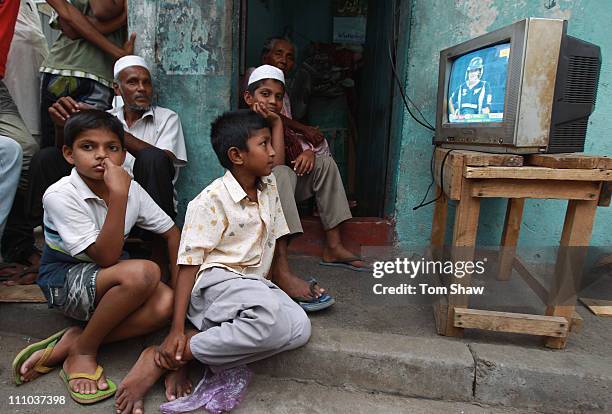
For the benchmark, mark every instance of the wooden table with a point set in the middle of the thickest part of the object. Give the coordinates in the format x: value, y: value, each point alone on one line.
x: 469, y: 176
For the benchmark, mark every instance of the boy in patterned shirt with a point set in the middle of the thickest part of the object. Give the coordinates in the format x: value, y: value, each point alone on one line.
x: 226, y: 251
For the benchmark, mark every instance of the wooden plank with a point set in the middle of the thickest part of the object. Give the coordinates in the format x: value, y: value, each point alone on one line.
x: 569, y: 161
x: 513, y: 188
x: 453, y: 171
x: 599, y: 307
x: 577, y: 230
x: 440, y: 309
x: 21, y: 294
x: 532, y: 281
x: 577, y: 321
x: 510, y: 235
x: 438, y: 226
x: 484, y: 159
x: 464, y: 240
x: 605, y: 163
x: 564, y: 161
x: 551, y: 326
x: 538, y: 173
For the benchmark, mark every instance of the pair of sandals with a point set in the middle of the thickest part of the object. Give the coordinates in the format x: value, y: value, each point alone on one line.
x: 47, y: 345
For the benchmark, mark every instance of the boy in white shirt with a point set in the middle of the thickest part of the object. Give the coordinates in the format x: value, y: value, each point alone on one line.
x: 226, y: 251
x: 87, y: 216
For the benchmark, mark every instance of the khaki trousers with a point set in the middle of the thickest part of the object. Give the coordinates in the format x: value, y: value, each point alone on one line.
x: 324, y: 182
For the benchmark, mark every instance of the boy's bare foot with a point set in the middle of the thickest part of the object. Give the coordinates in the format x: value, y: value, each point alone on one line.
x: 60, y: 351
x: 294, y: 286
x: 87, y: 364
x: 340, y: 254
x: 177, y: 384
x: 27, y: 276
x: 10, y: 269
x: 129, y: 398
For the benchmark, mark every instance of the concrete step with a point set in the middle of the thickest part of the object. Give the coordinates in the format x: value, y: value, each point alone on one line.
x: 268, y: 395
x: 437, y: 368
x: 377, y: 345
x: 445, y: 369
x: 265, y: 394
x: 356, y: 232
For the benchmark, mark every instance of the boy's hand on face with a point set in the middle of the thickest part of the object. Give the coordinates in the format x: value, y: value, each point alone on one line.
x: 304, y: 163
x: 116, y: 178
x: 262, y: 110
x: 169, y: 355
x: 313, y: 135
x: 61, y: 110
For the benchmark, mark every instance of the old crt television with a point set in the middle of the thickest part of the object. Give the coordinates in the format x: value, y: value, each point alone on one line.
x: 525, y: 88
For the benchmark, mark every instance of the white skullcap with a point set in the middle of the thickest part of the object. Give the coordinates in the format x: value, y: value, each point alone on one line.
x: 266, y: 72
x: 126, y: 62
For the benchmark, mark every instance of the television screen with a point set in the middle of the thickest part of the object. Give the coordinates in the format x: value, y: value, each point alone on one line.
x: 477, y: 85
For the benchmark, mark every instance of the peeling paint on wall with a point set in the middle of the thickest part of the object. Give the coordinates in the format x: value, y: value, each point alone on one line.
x: 482, y: 14
x: 190, y: 45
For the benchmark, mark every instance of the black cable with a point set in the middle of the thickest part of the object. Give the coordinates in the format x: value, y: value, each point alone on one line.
x: 421, y: 204
x: 392, y: 58
x: 399, y: 86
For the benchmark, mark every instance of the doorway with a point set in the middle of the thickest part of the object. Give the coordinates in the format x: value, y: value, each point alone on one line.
x: 342, y: 81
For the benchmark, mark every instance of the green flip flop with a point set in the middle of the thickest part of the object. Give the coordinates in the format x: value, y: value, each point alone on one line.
x: 89, y: 398
x: 40, y: 367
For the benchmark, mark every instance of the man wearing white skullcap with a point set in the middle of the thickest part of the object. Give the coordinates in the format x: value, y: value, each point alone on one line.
x: 153, y: 138
x: 153, y: 135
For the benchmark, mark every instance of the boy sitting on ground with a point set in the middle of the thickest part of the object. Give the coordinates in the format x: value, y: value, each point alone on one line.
x: 225, y: 254
x: 87, y: 216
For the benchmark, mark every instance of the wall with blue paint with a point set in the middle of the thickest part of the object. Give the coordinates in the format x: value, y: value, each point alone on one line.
x: 437, y: 24
x: 189, y: 45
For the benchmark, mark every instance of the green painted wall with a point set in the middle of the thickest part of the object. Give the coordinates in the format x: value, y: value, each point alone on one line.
x: 437, y: 24
x: 192, y: 47
x: 189, y: 45
x: 307, y: 22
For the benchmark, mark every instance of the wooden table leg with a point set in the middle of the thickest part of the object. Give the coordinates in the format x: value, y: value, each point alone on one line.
x: 438, y: 227
x: 577, y: 231
x: 438, y: 235
x: 464, y: 241
x: 510, y: 235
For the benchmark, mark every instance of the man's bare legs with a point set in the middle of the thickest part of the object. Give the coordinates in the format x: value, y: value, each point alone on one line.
x: 131, y: 302
x: 335, y: 251
x: 130, y: 394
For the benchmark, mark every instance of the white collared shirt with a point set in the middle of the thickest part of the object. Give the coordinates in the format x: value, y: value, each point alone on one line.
x: 223, y: 228
x: 74, y: 215
x: 160, y: 127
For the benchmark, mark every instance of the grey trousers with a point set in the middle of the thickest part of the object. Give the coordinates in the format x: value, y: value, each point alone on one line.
x: 242, y: 320
x: 324, y: 182
x: 12, y: 126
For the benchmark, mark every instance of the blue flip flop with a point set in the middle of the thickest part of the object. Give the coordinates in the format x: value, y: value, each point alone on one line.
x: 315, y: 304
x: 346, y: 264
